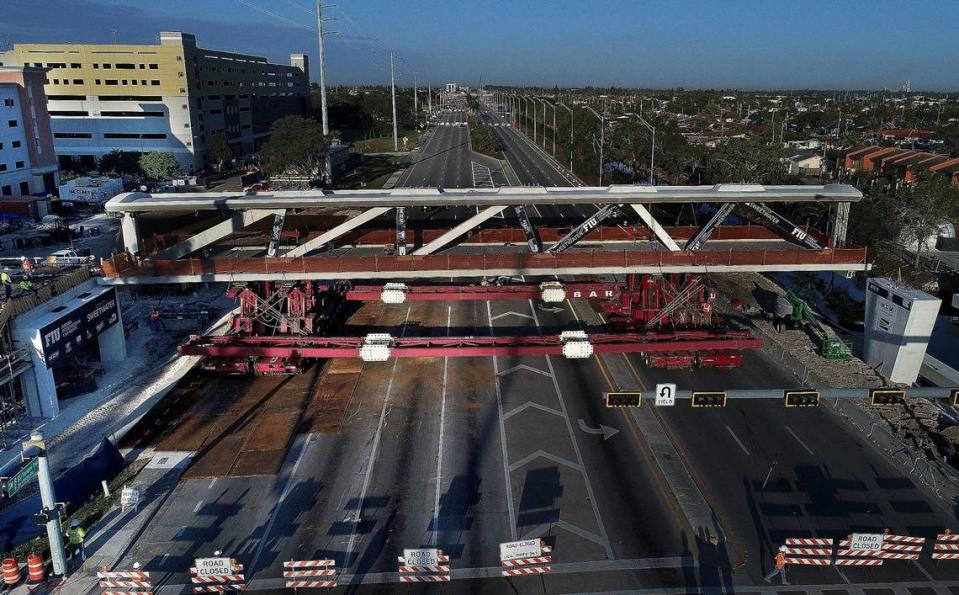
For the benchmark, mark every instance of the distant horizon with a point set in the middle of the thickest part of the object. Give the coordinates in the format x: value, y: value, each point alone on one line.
x: 696, y: 45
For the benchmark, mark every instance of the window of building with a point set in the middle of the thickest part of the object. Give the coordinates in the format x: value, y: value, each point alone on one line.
x: 56, y: 65
x: 106, y: 66
x: 143, y: 82
x: 154, y: 66
x: 155, y: 83
x: 134, y: 82
x: 131, y: 114
x: 69, y: 113
x: 8, y: 101
x: 150, y: 135
x: 12, y: 123
x: 96, y: 67
x: 111, y: 82
x: 67, y: 97
x: 98, y: 81
x: 16, y: 144
x: 55, y: 81
x: 75, y: 65
x: 77, y: 81
x: 72, y: 135
x: 126, y: 66
x: 18, y: 165
x: 24, y: 188
x: 6, y: 189
x: 3, y: 167
x: 1, y: 146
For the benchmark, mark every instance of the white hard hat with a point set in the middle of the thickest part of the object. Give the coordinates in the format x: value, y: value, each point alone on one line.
x: 782, y: 548
x: 136, y: 566
x: 22, y: 258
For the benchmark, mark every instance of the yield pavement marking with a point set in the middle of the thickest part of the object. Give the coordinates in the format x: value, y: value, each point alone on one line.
x: 801, y: 443
x: 525, y: 367
x: 738, y: 441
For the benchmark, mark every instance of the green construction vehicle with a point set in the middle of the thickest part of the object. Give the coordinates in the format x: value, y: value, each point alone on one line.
x: 798, y: 314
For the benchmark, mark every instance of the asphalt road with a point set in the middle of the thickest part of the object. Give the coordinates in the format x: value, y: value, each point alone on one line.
x: 444, y: 157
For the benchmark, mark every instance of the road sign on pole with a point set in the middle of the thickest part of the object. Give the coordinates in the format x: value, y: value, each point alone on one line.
x: 665, y: 395
x: 23, y: 475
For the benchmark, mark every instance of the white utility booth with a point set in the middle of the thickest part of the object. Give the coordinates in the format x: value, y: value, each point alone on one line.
x: 899, y: 322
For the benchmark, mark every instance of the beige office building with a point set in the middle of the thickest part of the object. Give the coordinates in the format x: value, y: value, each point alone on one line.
x: 169, y: 97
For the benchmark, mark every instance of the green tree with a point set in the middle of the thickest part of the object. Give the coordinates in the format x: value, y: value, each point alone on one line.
x: 160, y: 165
x: 297, y: 146
x: 746, y: 161
x: 120, y: 162
x: 220, y: 152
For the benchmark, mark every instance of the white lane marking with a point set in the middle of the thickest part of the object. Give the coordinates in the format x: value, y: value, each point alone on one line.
x: 502, y: 435
x: 738, y: 441
x: 801, y: 443
x: 439, y: 448
x: 179, y: 532
x: 165, y: 557
x: 373, y: 449
x: 279, y: 502
x: 212, y: 483
x: 197, y: 507
x: 591, y: 494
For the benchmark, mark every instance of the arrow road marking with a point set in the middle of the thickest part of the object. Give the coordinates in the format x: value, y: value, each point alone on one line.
x: 552, y: 309
x: 606, y: 431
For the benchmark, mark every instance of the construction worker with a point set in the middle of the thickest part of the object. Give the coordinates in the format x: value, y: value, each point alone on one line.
x: 27, y: 265
x: 26, y: 285
x: 76, y: 536
x: 7, y: 282
x: 779, y: 567
x: 155, y: 319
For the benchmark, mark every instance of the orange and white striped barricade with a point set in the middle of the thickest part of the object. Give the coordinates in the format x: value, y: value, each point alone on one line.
x: 901, y: 547
x: 860, y: 550
x: 130, y: 582
x: 217, y: 575
x: 309, y: 574
x: 425, y: 565
x: 808, y: 551
x: 946, y: 546
x: 529, y: 556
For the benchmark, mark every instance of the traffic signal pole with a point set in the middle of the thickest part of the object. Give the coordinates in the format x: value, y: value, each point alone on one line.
x: 49, y: 499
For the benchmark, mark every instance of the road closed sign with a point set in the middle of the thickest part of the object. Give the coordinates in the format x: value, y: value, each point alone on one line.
x: 515, y: 550
x: 866, y: 542
x: 213, y: 566
x: 422, y: 557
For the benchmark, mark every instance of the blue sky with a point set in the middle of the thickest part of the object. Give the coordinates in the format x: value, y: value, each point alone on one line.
x: 845, y: 44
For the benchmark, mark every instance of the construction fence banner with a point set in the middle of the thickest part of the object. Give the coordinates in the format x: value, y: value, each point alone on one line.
x: 309, y: 574
x: 946, y: 546
x: 806, y: 551
x: 130, y: 582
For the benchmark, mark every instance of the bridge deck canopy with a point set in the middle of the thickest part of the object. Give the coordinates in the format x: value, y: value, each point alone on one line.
x: 142, y: 202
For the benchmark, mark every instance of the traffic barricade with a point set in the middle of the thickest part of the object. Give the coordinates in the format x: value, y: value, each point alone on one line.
x: 11, y: 572
x: 901, y: 547
x: 36, y: 573
x: 125, y: 582
x: 309, y: 574
x: 425, y: 565
x: 846, y: 556
x: 946, y: 546
x: 529, y: 556
x: 808, y: 551
x: 217, y: 574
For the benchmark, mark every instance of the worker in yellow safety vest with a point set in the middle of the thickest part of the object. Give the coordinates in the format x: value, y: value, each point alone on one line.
x: 7, y: 282
x: 76, y: 534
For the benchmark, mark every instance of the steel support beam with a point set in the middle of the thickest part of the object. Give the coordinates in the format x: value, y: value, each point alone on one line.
x: 460, y: 229
x: 531, y: 238
x: 401, y: 231
x: 840, y: 224
x: 785, y: 226
x: 348, y: 225
x: 706, y: 231
x: 657, y: 229
x: 236, y: 222
x: 275, y: 234
x: 581, y: 230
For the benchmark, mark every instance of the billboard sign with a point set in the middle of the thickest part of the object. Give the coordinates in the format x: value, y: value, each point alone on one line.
x: 77, y: 328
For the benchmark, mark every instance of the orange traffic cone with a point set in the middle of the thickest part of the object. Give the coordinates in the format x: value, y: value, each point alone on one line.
x: 35, y: 570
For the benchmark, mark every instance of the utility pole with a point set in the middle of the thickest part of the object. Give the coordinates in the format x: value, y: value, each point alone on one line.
x: 602, y: 140
x: 429, y: 98
x: 322, y: 56
x: 49, y: 500
x: 396, y: 136
x: 415, y: 103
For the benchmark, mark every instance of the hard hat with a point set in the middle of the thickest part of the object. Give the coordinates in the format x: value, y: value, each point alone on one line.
x: 22, y: 258
x: 782, y: 548
x: 136, y: 566
x: 75, y: 523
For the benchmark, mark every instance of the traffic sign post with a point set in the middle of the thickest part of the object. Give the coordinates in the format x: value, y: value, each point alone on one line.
x: 11, y: 485
x: 48, y: 499
x: 529, y: 556
x: 665, y: 395
x: 624, y: 399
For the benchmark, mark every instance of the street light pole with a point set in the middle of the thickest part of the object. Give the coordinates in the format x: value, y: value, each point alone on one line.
x: 396, y: 137
x: 570, y: 110
x: 602, y: 139
x: 652, y: 156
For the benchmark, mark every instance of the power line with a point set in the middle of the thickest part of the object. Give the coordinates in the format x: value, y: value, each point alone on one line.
x: 262, y: 10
